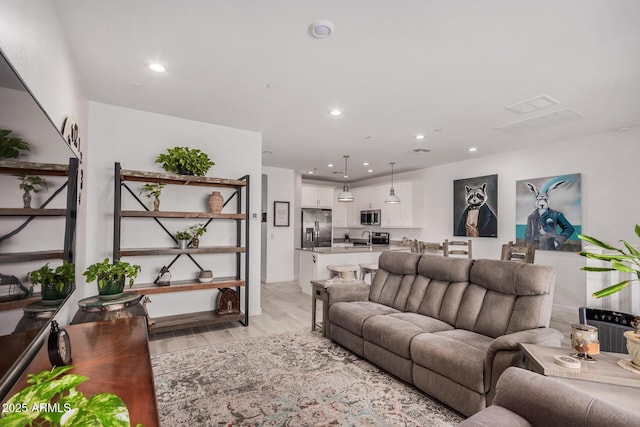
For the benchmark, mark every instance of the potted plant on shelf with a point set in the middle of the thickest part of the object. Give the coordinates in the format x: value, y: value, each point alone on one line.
x: 185, y: 161
x: 153, y: 190
x: 111, y: 277
x: 624, y: 260
x: 55, y: 283
x: 11, y: 146
x: 28, y: 184
x: 197, y: 231
x: 183, y: 237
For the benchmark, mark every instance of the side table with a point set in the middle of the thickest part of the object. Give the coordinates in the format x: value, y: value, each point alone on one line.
x: 318, y: 291
x: 602, y: 378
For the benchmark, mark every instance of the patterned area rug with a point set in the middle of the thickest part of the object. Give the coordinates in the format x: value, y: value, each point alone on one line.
x: 293, y: 379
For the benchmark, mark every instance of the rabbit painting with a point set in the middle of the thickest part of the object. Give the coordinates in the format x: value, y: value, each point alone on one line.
x: 547, y: 228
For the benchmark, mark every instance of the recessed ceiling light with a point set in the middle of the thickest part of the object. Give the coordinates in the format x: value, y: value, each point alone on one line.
x: 157, y: 67
x: 321, y: 28
x: 311, y: 172
x: 472, y: 149
x: 330, y: 165
x: 336, y: 112
x: 370, y: 170
x: 419, y: 137
x: 365, y: 164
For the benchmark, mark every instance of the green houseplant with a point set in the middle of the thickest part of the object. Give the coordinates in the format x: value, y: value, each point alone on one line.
x: 51, y: 399
x: 625, y: 260
x: 185, y: 161
x: 55, y: 283
x: 111, y: 276
x: 197, y: 231
x: 153, y: 190
x: 11, y: 146
x: 28, y: 184
x: 183, y: 237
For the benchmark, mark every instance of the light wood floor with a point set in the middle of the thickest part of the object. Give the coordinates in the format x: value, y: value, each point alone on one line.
x: 286, y: 308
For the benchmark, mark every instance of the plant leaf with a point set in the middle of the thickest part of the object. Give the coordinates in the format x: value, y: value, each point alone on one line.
x: 611, y: 289
x: 622, y: 267
x: 597, y: 242
x: 597, y: 269
x: 607, y: 257
x: 637, y: 230
x: 104, y: 409
x: 631, y: 249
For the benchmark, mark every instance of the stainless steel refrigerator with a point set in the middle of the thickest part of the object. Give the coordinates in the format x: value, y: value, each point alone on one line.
x: 316, y: 228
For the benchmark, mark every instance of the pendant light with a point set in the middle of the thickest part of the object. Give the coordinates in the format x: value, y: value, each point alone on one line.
x: 392, y: 198
x: 346, y: 195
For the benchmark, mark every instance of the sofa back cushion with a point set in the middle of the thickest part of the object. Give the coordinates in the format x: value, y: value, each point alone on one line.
x: 394, y: 279
x: 439, y: 287
x: 505, y: 297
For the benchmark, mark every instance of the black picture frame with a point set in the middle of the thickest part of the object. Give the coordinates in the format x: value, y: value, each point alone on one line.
x: 281, y: 214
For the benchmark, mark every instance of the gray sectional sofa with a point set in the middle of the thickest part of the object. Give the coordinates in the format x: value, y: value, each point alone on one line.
x: 526, y: 399
x: 450, y: 326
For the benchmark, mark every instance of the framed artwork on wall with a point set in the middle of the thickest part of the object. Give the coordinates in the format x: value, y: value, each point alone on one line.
x: 280, y: 214
x: 475, y: 206
x: 549, y: 212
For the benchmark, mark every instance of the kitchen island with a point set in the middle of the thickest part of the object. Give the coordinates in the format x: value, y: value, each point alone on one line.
x: 314, y: 261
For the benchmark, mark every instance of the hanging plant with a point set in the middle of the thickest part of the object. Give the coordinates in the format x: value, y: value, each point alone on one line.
x: 185, y: 161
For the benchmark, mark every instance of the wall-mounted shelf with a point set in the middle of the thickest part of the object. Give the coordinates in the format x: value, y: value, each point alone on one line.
x: 241, y: 196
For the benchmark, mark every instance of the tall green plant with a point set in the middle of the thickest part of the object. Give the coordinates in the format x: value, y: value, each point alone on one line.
x: 11, y: 146
x: 626, y: 260
x: 52, y: 398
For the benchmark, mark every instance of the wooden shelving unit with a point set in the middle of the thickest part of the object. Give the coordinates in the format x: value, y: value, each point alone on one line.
x: 240, y: 281
x: 68, y: 188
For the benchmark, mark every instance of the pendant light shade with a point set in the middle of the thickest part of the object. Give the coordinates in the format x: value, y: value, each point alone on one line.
x: 392, y: 198
x: 346, y: 195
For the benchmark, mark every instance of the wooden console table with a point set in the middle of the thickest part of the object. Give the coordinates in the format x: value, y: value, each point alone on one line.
x: 115, y: 356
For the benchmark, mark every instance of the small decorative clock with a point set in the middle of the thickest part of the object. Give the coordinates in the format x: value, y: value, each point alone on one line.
x: 59, y: 346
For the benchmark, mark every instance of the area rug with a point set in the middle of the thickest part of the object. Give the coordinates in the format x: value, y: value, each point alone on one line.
x: 293, y: 379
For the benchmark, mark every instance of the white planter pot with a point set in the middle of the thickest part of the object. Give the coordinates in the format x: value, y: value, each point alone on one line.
x: 633, y: 346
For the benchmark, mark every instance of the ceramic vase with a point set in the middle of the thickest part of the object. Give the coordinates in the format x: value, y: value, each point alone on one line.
x: 51, y: 296
x: 215, y: 202
x: 633, y: 347
x: 26, y: 198
x: 156, y: 204
x: 195, y: 242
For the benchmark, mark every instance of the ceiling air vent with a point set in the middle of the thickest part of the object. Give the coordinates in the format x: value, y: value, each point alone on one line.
x: 533, y: 104
x: 421, y: 150
x: 543, y: 121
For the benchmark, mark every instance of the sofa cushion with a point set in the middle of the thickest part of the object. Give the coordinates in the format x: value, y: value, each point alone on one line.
x: 529, y: 286
x: 352, y: 315
x: 495, y: 416
x: 457, y: 354
x: 394, y: 332
x: 393, y: 281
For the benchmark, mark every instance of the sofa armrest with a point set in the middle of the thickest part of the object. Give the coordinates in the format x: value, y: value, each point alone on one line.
x: 511, y: 343
x: 346, y: 293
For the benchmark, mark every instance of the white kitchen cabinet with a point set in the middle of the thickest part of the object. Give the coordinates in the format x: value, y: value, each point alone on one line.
x: 399, y: 214
x: 316, y: 196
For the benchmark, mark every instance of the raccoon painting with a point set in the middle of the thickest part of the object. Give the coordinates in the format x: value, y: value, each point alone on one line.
x: 477, y: 220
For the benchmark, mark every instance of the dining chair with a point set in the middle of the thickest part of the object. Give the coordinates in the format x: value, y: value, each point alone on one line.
x: 524, y: 252
x: 457, y: 248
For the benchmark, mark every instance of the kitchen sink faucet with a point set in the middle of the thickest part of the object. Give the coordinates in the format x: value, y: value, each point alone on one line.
x: 370, y: 242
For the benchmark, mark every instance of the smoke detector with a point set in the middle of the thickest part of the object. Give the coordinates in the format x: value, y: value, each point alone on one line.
x: 321, y: 28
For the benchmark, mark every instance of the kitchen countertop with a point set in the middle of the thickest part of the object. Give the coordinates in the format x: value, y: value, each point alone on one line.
x: 355, y: 249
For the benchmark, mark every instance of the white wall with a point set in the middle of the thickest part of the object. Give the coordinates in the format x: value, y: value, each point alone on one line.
x: 279, y: 250
x: 607, y: 162
x: 32, y: 39
x: 134, y: 138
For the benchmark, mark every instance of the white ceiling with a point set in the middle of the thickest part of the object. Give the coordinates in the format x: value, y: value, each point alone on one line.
x: 445, y: 69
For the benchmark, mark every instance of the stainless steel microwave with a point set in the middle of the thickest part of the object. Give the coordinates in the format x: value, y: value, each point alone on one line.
x: 370, y: 217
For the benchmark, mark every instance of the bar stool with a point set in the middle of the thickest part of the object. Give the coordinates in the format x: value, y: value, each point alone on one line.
x: 347, y: 272
x: 368, y: 269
